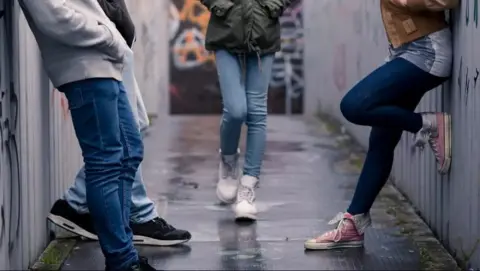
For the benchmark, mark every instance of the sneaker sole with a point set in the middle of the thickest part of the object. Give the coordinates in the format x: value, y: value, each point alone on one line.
x: 148, y: 241
x: 328, y: 246
x: 137, y: 239
x: 245, y: 217
x: 447, y: 130
x: 70, y: 226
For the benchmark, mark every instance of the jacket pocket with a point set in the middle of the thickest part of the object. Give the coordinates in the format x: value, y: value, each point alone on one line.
x: 226, y: 31
x: 116, y: 47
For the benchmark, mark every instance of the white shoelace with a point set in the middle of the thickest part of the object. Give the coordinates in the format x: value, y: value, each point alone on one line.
x: 246, y: 193
x: 423, y: 137
x: 337, y: 232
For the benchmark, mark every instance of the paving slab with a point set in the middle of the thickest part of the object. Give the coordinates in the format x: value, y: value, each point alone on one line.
x: 309, y: 174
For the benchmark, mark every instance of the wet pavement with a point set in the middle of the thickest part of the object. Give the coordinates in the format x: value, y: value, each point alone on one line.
x: 309, y: 174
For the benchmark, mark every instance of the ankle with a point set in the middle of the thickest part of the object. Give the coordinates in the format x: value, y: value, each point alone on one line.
x: 249, y: 181
x: 360, y: 221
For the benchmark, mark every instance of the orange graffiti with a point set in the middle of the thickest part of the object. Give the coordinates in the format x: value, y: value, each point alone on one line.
x: 194, y: 12
x: 192, y: 48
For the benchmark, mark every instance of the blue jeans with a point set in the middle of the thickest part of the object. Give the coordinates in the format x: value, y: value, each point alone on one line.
x: 385, y: 100
x: 112, y: 150
x: 142, y: 207
x: 244, y: 83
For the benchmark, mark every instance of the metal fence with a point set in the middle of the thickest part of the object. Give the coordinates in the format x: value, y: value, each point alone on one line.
x: 345, y: 41
x: 39, y: 154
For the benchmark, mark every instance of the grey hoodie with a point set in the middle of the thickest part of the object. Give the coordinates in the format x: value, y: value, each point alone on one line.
x: 77, y: 41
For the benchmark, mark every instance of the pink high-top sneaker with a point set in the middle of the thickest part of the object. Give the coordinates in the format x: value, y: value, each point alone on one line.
x: 437, y: 132
x: 348, y: 233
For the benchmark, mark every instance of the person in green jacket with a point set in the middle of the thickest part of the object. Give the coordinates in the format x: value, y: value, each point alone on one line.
x: 244, y: 34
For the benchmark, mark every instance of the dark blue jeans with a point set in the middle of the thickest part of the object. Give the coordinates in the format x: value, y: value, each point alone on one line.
x: 385, y: 100
x: 112, y: 150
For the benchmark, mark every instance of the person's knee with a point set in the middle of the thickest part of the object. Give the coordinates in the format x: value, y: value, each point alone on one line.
x: 352, y: 109
x: 236, y: 113
x: 105, y: 165
x: 134, y: 154
x: 257, y: 119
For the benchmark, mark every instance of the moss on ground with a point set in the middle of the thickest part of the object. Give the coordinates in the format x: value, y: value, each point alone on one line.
x: 54, y: 255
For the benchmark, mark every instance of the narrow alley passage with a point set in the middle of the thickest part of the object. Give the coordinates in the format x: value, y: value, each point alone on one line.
x: 309, y: 175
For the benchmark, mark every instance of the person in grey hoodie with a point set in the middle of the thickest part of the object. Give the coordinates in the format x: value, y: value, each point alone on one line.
x: 83, y: 54
x: 71, y: 211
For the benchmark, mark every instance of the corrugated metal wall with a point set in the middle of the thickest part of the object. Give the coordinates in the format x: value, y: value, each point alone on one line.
x: 345, y: 41
x: 39, y: 154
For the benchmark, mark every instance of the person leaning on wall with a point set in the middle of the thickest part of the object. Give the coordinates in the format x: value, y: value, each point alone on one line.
x: 71, y: 212
x: 420, y: 60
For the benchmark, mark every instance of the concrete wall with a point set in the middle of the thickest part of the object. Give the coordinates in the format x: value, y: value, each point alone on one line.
x: 39, y: 154
x: 345, y: 41
x: 151, y: 52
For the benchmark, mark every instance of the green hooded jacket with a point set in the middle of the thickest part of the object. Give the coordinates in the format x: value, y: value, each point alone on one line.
x: 244, y: 26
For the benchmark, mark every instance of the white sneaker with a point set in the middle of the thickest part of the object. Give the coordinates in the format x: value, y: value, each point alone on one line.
x: 228, y: 178
x: 245, y: 206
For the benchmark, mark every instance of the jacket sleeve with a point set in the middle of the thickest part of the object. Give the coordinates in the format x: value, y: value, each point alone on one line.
x: 62, y: 23
x: 218, y: 7
x: 117, y: 12
x: 277, y: 7
x: 432, y: 5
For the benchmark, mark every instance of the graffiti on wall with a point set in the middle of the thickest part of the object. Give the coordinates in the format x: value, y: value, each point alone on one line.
x: 287, y: 83
x: 194, y: 87
x: 193, y: 78
x: 467, y: 71
x: 10, y: 204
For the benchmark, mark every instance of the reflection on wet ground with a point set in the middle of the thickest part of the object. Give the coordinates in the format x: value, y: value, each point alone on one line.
x: 308, y: 176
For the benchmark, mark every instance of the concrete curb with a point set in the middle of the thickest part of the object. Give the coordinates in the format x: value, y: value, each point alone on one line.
x: 55, y: 254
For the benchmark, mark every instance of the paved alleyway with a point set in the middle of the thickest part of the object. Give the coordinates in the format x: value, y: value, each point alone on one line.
x: 309, y: 175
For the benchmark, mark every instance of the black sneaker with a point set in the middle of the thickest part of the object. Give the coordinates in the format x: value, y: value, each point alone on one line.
x: 141, y: 265
x: 157, y: 232
x: 64, y: 216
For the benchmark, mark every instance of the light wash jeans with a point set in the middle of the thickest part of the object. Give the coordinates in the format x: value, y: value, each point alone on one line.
x: 142, y: 207
x: 244, y: 83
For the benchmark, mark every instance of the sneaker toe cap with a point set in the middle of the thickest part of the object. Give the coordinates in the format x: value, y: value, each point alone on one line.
x: 245, y: 207
x: 178, y: 235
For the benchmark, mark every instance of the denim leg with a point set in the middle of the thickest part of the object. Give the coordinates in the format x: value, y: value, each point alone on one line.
x: 76, y: 195
x: 257, y: 81
x: 234, y: 100
x: 376, y: 169
x: 132, y: 154
x: 142, y: 207
x: 384, y: 97
x: 111, y: 149
x: 374, y: 101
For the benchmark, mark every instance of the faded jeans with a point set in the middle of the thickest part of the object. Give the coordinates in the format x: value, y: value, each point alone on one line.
x: 244, y: 81
x: 142, y: 207
x: 112, y: 150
